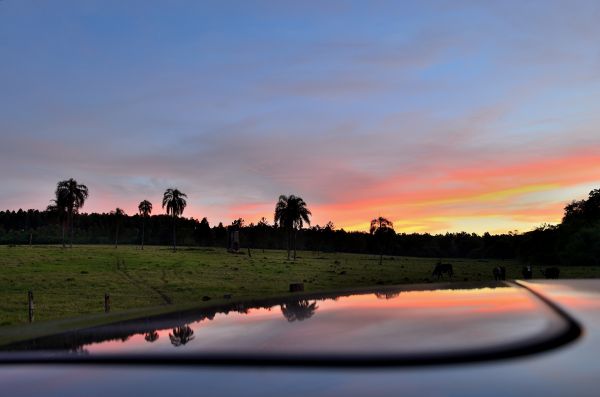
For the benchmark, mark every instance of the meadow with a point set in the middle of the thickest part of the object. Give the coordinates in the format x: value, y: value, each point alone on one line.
x: 67, y: 283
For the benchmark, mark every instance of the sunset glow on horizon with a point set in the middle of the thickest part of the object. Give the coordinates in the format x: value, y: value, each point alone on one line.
x: 441, y: 116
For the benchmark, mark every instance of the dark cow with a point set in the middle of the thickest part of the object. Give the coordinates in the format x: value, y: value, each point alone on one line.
x: 551, y: 272
x: 441, y: 268
x: 527, y: 272
x: 499, y: 273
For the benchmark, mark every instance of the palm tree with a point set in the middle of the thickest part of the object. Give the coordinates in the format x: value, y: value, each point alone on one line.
x: 181, y: 336
x: 118, y: 214
x: 73, y: 195
x: 174, y: 201
x: 381, y: 228
x: 151, y: 336
x: 145, y: 209
x: 298, y: 311
x: 290, y: 213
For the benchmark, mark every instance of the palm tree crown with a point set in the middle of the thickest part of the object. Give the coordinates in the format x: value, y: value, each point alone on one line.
x: 291, y: 212
x: 145, y: 208
x: 72, y: 194
x: 174, y: 202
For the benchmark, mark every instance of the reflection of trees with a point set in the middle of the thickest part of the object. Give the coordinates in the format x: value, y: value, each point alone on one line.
x: 151, y: 336
x: 181, y: 335
x: 299, y: 310
x: 387, y: 295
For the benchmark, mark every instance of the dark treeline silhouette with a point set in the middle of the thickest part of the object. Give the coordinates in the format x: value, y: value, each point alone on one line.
x: 94, y: 228
x: 576, y: 241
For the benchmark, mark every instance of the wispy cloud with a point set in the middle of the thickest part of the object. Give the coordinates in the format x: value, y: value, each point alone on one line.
x: 439, y: 115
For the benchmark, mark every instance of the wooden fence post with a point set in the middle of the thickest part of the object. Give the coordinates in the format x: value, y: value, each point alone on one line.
x: 31, y: 305
x: 106, y: 302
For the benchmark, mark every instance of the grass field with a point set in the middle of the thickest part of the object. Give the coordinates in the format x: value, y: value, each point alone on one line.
x: 72, y: 282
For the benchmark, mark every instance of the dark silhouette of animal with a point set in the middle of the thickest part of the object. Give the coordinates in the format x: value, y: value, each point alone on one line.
x: 527, y: 272
x: 551, y: 272
x: 441, y: 268
x: 499, y: 273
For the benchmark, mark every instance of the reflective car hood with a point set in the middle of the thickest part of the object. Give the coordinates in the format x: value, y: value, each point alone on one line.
x: 411, y: 325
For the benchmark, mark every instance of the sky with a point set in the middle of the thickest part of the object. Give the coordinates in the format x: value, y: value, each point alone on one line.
x: 439, y: 115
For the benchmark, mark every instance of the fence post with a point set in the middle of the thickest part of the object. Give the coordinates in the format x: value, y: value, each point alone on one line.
x: 31, y: 305
x: 106, y: 302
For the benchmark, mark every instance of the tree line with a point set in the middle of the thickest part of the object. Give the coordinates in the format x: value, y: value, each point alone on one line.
x: 575, y: 241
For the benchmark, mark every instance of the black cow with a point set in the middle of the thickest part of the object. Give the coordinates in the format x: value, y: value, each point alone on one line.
x: 441, y: 268
x: 499, y: 273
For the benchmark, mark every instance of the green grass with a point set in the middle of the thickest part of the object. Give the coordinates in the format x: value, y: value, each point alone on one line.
x: 72, y: 282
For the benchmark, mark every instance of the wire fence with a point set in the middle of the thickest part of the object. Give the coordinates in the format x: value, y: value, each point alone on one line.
x: 39, y: 301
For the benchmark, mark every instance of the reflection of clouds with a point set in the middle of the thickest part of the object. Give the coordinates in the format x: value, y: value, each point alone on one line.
x: 368, y: 321
x: 299, y: 311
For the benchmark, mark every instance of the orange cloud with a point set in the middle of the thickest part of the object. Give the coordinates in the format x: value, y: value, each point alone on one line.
x: 491, y: 197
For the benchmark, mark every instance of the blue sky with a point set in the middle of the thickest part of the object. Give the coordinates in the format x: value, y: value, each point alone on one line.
x: 362, y: 108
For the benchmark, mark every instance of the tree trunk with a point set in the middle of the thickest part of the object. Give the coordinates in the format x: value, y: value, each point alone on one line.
x: 174, y: 236
x: 71, y: 229
x: 63, y: 234
x: 117, y: 237
x: 289, y: 243
x: 294, y: 243
x: 143, y: 231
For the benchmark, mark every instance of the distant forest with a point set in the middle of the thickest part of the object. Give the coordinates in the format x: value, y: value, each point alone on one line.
x: 576, y: 241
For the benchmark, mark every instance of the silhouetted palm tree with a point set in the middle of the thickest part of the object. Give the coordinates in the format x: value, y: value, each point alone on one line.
x: 298, y: 311
x: 181, y: 335
x: 74, y: 196
x: 381, y: 228
x: 290, y: 213
x: 145, y: 209
x: 174, y: 201
x: 118, y: 215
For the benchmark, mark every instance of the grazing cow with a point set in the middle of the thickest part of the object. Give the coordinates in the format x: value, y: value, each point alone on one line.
x: 527, y: 272
x: 551, y: 272
x: 441, y: 268
x: 499, y: 273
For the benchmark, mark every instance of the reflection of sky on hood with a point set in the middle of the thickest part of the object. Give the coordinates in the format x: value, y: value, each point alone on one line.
x: 438, y: 115
x: 411, y: 322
